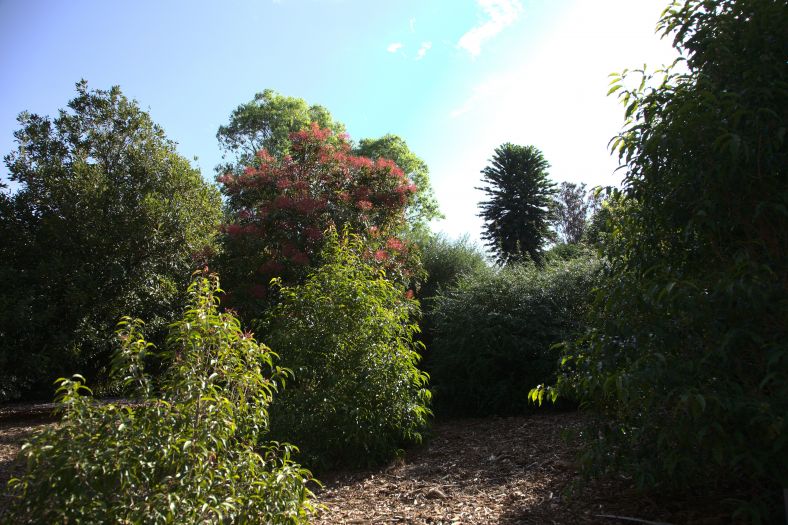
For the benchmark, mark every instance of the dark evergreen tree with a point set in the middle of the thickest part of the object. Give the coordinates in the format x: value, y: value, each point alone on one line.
x: 519, y: 208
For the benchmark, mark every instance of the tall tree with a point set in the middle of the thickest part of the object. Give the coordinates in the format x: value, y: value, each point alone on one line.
x: 108, y: 220
x: 267, y: 121
x: 423, y: 207
x: 281, y: 207
x: 518, y: 211
x: 573, y: 206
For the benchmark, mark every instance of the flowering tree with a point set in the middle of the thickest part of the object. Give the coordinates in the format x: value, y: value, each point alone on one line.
x: 281, y: 207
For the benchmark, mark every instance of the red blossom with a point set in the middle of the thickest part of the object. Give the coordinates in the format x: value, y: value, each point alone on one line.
x: 313, y: 234
x: 395, y: 244
x: 409, y: 294
x: 300, y: 258
x: 226, y: 179
x: 264, y: 155
x: 271, y: 267
x: 307, y: 205
x: 360, y: 162
x: 282, y: 202
x: 288, y: 202
x: 233, y: 229
x: 405, y: 188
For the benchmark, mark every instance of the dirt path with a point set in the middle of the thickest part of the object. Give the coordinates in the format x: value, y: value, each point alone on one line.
x: 515, y: 470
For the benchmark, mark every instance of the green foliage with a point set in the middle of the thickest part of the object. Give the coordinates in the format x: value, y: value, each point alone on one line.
x: 347, y: 334
x: 423, y: 208
x: 194, y: 455
x: 494, y: 331
x: 445, y: 262
x: 267, y: 121
x: 519, y: 209
x: 568, y: 252
x: 107, y: 219
x: 688, y: 354
x: 573, y: 206
x: 610, y: 208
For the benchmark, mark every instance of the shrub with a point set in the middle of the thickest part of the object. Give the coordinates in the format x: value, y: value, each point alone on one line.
x: 347, y: 334
x: 194, y: 455
x: 494, y: 331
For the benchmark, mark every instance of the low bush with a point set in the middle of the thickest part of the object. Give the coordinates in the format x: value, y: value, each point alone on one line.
x: 347, y: 334
x: 494, y: 331
x: 193, y: 455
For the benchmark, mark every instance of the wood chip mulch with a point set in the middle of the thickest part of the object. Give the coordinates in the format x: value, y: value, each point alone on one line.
x: 516, y: 470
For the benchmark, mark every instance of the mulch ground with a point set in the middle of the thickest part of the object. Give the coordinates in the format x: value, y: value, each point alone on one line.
x: 516, y: 470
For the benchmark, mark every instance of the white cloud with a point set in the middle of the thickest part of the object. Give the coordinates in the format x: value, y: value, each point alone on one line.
x: 394, y: 47
x: 425, y: 46
x: 502, y: 13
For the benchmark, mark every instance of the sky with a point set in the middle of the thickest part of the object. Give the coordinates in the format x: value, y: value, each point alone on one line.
x: 454, y: 78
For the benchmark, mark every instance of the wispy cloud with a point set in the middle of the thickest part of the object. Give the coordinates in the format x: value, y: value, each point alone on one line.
x: 394, y: 47
x: 412, y: 24
x: 501, y: 13
x: 425, y: 46
x: 490, y: 89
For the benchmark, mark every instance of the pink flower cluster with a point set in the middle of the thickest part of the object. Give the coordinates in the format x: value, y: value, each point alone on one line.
x: 285, y: 204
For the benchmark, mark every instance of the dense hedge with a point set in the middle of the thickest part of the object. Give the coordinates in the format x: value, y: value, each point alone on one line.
x: 444, y: 260
x: 494, y: 331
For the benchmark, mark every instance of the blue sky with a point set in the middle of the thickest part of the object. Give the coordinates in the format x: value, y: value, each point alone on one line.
x: 454, y: 78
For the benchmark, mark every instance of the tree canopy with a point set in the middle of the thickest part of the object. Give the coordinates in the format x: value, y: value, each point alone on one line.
x: 267, y: 121
x: 573, y: 207
x: 281, y: 207
x: 424, y: 207
x: 108, y: 219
